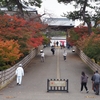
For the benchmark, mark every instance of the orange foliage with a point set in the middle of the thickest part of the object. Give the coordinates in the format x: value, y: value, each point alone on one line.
x: 35, y: 42
x: 28, y: 33
x: 9, y: 51
x: 12, y: 26
x: 78, y: 35
x: 36, y: 38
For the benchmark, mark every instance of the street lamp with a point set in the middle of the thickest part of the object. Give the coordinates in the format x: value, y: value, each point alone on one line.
x: 67, y: 36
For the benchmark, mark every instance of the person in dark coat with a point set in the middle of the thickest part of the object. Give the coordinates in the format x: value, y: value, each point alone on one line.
x: 57, y: 43
x: 53, y: 50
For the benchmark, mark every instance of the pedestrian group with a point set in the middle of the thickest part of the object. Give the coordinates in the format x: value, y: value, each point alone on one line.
x: 95, y: 82
x: 84, y: 78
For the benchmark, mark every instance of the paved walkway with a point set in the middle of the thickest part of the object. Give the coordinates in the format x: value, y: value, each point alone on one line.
x: 34, y: 84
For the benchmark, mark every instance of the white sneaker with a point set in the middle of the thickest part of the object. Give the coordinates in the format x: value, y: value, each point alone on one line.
x: 87, y: 91
x: 80, y: 91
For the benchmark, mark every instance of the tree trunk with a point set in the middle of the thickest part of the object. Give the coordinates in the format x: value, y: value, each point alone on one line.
x: 20, y: 6
x: 86, y: 17
x: 89, y: 28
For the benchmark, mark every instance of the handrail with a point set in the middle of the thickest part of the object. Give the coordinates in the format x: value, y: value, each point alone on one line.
x: 8, y: 75
x: 87, y: 60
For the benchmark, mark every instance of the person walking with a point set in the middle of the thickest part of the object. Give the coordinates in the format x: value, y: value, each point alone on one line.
x: 92, y: 79
x: 19, y: 73
x: 42, y: 55
x: 84, y: 80
x: 96, y: 82
x: 57, y: 43
x: 61, y: 45
x: 64, y: 55
x: 53, y: 50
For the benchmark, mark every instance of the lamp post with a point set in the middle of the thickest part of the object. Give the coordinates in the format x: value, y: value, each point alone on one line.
x: 48, y: 36
x: 47, y: 32
x: 66, y: 39
x: 67, y: 36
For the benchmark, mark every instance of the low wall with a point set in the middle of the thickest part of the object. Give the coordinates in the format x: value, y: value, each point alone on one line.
x: 87, y: 60
x: 8, y: 75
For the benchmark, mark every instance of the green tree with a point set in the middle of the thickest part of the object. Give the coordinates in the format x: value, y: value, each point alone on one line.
x: 46, y: 40
x: 92, y: 47
x: 96, y: 17
x: 82, y: 12
x: 20, y: 4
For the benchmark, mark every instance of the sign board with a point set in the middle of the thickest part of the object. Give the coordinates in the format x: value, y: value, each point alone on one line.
x: 58, y: 83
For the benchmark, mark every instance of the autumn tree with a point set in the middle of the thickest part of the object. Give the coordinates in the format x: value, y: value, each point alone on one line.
x: 92, y: 47
x: 9, y: 52
x: 15, y: 28
x: 37, y: 28
x: 18, y: 37
x: 77, y: 34
x: 46, y: 40
x: 24, y: 31
x: 82, y: 13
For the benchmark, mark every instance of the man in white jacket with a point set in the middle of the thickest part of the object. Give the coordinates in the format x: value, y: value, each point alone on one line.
x: 19, y: 73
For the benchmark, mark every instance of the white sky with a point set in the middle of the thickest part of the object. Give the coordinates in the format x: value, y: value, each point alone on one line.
x: 52, y: 6
x: 55, y: 9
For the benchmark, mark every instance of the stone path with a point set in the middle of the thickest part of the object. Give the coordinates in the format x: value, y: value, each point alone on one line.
x: 34, y: 84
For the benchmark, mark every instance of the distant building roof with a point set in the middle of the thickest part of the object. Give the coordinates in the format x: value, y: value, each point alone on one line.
x: 59, y: 38
x: 16, y: 9
x: 59, y: 22
x: 3, y: 8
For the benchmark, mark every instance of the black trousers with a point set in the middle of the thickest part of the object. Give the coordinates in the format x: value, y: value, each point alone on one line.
x: 64, y: 57
x: 84, y: 85
x: 53, y: 52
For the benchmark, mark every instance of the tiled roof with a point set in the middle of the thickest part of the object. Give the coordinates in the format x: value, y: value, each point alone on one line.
x: 59, y: 38
x: 60, y: 22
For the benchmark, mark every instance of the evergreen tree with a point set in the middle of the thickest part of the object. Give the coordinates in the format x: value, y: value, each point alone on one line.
x: 82, y: 12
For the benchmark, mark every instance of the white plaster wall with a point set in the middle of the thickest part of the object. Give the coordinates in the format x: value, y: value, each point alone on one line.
x: 52, y: 42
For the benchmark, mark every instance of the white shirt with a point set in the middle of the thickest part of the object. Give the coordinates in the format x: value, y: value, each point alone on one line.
x: 65, y: 54
x: 42, y: 54
x: 19, y: 71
